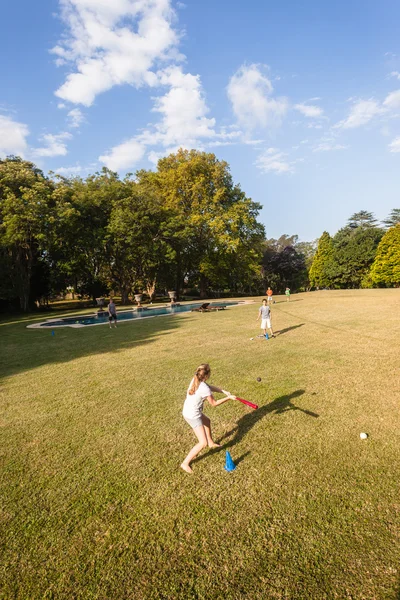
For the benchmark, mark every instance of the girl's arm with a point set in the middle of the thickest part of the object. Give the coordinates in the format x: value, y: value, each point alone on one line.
x: 214, y: 402
x: 218, y: 390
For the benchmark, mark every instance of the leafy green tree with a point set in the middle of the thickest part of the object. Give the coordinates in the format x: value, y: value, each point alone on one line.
x: 206, y: 214
x: 26, y: 219
x: 134, y: 243
x: 362, y: 219
x: 393, y: 218
x: 386, y: 266
x: 354, y: 253
x: 321, y: 263
x: 283, y: 265
x: 79, y: 242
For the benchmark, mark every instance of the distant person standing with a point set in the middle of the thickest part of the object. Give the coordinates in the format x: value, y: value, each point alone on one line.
x: 112, y: 313
x: 287, y: 294
x: 269, y: 295
x: 264, y: 314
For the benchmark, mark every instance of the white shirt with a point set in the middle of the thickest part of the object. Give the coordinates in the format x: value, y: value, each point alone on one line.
x: 193, y: 406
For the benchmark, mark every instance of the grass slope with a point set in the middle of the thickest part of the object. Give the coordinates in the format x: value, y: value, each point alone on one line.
x: 94, y: 504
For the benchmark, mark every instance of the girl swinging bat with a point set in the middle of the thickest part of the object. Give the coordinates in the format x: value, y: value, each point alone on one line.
x: 192, y: 412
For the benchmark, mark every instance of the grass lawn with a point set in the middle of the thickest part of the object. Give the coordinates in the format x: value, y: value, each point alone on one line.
x: 94, y: 504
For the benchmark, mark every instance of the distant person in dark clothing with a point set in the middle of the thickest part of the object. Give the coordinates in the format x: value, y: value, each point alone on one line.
x: 112, y: 313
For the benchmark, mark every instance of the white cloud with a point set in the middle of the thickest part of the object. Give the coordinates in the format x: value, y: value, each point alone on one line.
x: 124, y: 156
x: 249, y: 91
x: 328, y: 147
x: 113, y: 43
x: 55, y: 145
x: 184, y: 123
x: 394, y: 146
x: 309, y: 110
x: 12, y: 137
x: 253, y: 142
x: 361, y: 113
x: 392, y: 100
x: 274, y: 161
x: 75, y: 117
x: 183, y: 109
x: 395, y: 74
x: 75, y: 170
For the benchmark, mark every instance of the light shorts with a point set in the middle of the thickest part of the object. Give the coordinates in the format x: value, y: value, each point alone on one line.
x: 194, y: 422
x: 265, y: 323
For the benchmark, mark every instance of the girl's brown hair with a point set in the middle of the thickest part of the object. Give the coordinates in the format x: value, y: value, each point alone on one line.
x: 202, y: 372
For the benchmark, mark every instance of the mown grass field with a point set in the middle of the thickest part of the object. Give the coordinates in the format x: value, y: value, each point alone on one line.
x: 95, y: 506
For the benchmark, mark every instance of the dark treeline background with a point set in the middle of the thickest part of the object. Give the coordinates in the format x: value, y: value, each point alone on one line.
x: 185, y: 227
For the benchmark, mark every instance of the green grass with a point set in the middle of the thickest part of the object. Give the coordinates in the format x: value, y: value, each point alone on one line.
x: 94, y: 504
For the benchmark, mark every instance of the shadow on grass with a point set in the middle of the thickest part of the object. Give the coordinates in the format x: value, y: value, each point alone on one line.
x: 288, y: 302
x: 282, y: 331
x: 246, y: 423
x: 278, y: 406
x: 23, y: 349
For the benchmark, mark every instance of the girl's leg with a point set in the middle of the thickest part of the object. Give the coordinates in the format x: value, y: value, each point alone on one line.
x: 202, y: 443
x: 207, y: 427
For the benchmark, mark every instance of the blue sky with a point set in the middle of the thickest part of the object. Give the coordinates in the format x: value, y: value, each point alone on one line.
x: 302, y: 99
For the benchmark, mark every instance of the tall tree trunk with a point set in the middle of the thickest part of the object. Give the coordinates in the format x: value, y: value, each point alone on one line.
x: 24, y: 262
x: 125, y: 296
x: 203, y: 286
x: 178, y: 274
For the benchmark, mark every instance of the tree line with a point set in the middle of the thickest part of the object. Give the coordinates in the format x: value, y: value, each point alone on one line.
x: 185, y: 227
x: 361, y: 254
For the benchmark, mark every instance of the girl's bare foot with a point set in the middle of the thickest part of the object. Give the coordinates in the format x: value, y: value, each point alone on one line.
x: 186, y: 468
x: 214, y: 445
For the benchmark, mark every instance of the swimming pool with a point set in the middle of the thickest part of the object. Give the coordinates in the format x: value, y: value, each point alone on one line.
x: 127, y: 315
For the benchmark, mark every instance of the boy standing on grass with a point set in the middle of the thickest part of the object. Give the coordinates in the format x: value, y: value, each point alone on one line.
x: 287, y: 294
x: 112, y: 313
x: 269, y: 294
x: 265, y: 315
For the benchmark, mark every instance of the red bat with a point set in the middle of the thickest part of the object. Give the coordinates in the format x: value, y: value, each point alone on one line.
x: 243, y: 401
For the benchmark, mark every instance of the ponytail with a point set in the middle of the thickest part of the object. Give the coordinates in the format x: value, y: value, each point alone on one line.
x: 202, y: 372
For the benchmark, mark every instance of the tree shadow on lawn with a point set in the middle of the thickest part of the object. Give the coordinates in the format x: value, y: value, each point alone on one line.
x: 282, y: 331
x: 23, y: 349
x: 246, y: 423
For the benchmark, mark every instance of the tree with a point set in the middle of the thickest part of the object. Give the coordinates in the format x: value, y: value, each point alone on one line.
x: 206, y: 215
x: 283, y: 265
x: 354, y: 251
x: 79, y: 243
x: 26, y: 219
x: 386, y: 266
x: 362, y: 219
x: 321, y: 264
x: 134, y: 242
x: 393, y: 218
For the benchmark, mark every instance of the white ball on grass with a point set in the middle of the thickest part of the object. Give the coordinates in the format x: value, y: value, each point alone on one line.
x: 363, y: 436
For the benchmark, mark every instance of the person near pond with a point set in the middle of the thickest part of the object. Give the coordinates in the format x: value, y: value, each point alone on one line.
x: 112, y: 313
x: 269, y: 295
x: 264, y: 314
x: 287, y: 294
x: 198, y: 391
